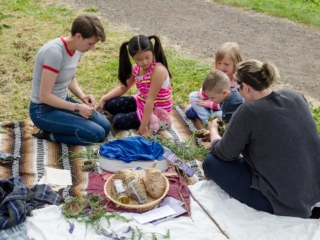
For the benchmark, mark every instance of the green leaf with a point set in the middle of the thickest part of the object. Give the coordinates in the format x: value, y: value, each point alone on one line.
x: 5, y: 26
x: 2, y: 16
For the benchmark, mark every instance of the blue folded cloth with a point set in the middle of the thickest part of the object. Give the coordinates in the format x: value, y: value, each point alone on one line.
x: 17, y: 200
x: 132, y: 149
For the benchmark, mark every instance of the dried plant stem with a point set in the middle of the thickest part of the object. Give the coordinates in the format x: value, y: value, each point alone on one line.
x: 180, y: 194
x: 223, y: 232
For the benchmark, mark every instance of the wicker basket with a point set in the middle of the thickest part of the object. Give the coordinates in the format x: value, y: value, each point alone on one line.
x: 134, y: 205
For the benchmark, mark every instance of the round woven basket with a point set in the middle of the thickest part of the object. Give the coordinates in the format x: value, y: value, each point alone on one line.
x: 134, y: 205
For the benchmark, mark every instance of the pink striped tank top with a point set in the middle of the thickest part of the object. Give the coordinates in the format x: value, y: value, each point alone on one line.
x: 164, y: 97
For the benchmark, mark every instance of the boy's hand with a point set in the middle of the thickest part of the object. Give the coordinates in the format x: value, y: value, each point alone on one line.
x: 200, y: 102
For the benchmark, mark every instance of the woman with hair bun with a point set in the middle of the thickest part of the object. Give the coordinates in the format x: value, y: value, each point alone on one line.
x: 269, y: 156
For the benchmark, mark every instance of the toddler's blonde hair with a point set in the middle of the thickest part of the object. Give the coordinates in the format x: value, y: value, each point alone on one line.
x: 230, y: 49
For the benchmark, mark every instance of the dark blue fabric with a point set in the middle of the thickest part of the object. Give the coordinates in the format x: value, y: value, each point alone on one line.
x: 231, y: 104
x: 191, y: 113
x: 17, y: 200
x: 132, y: 149
x: 235, y: 178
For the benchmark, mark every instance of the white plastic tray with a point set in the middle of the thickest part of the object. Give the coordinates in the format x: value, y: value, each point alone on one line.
x: 113, y: 165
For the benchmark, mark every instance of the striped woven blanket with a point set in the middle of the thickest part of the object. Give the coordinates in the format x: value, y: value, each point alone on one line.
x: 31, y: 155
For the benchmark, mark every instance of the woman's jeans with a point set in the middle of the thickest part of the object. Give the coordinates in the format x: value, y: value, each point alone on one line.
x: 67, y: 127
x: 235, y: 178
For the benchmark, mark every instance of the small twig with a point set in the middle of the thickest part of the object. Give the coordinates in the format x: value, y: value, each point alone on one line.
x: 222, y: 231
x: 185, y: 204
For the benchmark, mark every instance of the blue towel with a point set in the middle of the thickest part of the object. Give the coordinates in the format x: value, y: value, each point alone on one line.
x: 132, y: 149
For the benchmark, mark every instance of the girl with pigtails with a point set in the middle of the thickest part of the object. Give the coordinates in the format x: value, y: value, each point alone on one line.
x: 151, y: 76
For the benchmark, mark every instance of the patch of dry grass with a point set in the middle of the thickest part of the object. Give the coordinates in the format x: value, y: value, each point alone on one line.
x: 18, y: 46
x: 39, y: 21
x: 32, y: 27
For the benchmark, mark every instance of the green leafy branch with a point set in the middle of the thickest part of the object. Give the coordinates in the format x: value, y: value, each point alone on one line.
x: 137, y: 233
x: 90, y: 211
x: 90, y: 154
x: 187, y: 150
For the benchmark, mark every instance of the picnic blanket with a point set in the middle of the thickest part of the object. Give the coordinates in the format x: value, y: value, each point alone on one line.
x: 32, y: 155
x: 237, y: 220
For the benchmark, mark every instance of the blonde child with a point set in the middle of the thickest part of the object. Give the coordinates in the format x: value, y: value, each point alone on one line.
x: 227, y: 56
x: 151, y: 76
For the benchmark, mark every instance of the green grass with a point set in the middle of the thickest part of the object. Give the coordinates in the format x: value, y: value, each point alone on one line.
x: 316, y: 116
x: 302, y: 11
x: 36, y: 22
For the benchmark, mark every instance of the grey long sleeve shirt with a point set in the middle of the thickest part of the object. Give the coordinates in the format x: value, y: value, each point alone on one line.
x: 279, y: 140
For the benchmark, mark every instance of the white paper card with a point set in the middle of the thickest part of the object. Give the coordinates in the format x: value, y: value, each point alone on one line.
x: 154, y: 214
x: 56, y: 178
x: 179, y: 210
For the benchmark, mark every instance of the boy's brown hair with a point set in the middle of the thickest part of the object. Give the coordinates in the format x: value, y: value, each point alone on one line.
x: 88, y: 26
x: 217, y: 81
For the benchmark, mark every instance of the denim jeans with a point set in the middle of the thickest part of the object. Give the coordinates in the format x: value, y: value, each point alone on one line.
x: 67, y: 127
x: 203, y: 112
x: 235, y: 178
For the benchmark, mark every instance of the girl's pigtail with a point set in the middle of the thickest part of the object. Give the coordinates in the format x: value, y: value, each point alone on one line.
x: 125, y: 67
x: 159, y: 53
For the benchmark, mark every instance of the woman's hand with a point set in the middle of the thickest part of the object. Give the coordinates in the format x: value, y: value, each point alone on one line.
x: 89, y: 100
x: 213, y: 128
x: 213, y: 125
x: 206, y: 145
x: 85, y: 110
x: 206, y: 137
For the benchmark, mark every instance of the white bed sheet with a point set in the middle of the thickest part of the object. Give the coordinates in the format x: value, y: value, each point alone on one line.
x: 237, y: 220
